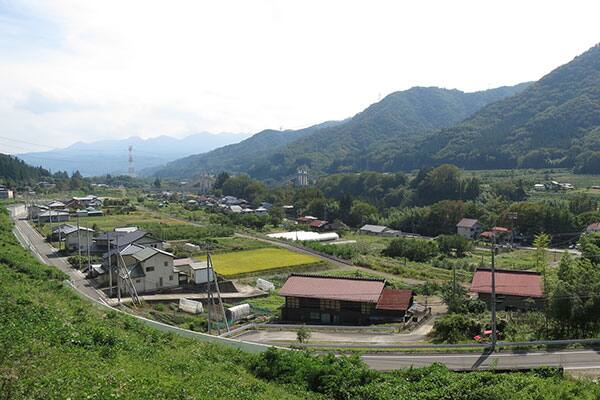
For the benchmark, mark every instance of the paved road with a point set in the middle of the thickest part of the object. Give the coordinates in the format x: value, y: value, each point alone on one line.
x: 44, y: 252
x: 570, y: 360
x: 281, y: 337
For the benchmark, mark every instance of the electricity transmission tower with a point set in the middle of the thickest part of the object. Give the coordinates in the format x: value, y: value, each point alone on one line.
x: 131, y: 169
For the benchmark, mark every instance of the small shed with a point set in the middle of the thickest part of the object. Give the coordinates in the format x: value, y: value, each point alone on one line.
x: 238, y: 312
x: 264, y: 285
x: 190, y: 306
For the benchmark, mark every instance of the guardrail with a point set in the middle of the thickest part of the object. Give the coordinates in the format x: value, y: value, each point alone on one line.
x: 238, y: 344
x: 268, y: 326
x: 401, y: 347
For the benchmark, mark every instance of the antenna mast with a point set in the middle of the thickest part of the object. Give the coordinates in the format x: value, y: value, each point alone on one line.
x: 131, y: 170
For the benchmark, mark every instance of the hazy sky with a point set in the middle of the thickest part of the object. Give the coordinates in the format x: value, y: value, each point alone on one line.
x: 89, y: 70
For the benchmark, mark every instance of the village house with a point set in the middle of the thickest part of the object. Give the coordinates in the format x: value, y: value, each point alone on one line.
x: 593, y: 228
x: 376, y: 230
x: 497, y: 233
x: 5, y: 193
x: 307, y: 219
x: 52, y: 216
x: 84, y: 202
x: 469, y: 228
x: 334, y: 300
x: 34, y: 210
x: 151, y: 269
x: 194, y: 271
x: 83, y: 240
x: 124, y: 238
x: 515, y: 290
x: 56, y: 205
x: 59, y: 232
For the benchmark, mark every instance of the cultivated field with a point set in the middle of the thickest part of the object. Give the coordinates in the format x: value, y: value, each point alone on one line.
x: 134, y: 218
x: 246, y: 262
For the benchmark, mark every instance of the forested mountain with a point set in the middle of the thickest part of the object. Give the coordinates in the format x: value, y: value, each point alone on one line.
x: 15, y: 172
x: 554, y: 122
x: 341, y: 146
x: 240, y: 156
x: 110, y: 156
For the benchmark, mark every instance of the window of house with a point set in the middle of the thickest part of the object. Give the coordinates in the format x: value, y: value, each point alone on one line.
x: 366, y: 308
x: 327, y: 304
x: 137, y: 281
x: 166, y: 263
x: 149, y: 269
x: 293, y: 302
x: 170, y: 277
x: 315, y: 316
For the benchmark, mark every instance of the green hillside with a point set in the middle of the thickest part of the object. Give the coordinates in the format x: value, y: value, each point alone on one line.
x: 15, y: 171
x: 238, y: 156
x: 334, y: 147
x: 57, y: 346
x: 555, y: 122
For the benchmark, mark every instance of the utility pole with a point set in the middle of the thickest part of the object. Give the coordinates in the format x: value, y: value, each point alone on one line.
x: 110, y: 281
x: 78, y: 242
x: 208, y: 294
x: 89, y: 257
x: 214, y: 276
x: 454, y: 284
x: 118, y: 274
x: 494, y: 338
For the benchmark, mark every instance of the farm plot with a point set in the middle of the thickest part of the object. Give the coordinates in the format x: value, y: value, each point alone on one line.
x: 246, y: 262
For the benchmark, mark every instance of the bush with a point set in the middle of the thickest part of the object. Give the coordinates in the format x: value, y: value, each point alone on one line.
x: 412, y: 249
x: 454, y: 244
x: 194, y: 234
x: 341, y: 251
x: 335, y: 377
x: 454, y: 328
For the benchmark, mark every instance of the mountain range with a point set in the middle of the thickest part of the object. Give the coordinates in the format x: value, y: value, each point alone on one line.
x: 553, y: 122
x: 111, y: 156
x: 341, y: 145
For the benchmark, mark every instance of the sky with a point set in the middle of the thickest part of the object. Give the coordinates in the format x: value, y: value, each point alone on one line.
x: 91, y: 70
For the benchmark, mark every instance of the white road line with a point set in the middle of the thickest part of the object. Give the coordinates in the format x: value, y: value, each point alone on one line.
x: 583, y: 367
x: 476, y: 355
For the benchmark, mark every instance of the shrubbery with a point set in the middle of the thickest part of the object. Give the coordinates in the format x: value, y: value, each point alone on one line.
x: 412, y: 249
x: 194, y: 234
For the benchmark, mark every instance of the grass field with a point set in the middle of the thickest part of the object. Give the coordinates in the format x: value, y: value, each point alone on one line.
x: 135, y: 218
x: 246, y: 262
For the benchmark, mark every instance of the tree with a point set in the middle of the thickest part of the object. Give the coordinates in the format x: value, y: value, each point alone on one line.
x: 449, y: 244
x: 361, y: 213
x: 157, y: 183
x: 303, y: 334
x: 221, y: 179
x: 413, y: 249
x: 541, y: 243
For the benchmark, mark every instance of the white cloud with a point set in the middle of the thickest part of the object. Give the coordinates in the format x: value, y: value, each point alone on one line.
x: 85, y: 70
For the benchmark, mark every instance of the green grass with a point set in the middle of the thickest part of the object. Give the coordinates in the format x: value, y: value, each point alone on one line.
x: 517, y: 259
x: 250, y: 261
x: 135, y: 218
x: 55, y: 345
x: 270, y: 303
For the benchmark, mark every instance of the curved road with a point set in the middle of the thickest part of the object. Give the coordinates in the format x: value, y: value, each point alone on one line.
x: 569, y: 360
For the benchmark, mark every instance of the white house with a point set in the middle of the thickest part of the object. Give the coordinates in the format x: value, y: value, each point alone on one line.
x: 469, y: 228
x: 150, y: 269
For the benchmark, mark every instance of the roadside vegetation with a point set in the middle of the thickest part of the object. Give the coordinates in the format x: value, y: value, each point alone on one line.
x: 55, y: 345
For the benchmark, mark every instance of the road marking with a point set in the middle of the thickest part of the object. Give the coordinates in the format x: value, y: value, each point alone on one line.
x: 582, y: 367
x: 477, y: 355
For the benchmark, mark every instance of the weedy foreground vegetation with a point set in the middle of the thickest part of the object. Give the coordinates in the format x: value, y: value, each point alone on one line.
x: 57, y: 346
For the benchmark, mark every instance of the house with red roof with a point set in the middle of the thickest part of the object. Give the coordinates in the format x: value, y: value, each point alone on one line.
x: 515, y: 290
x: 319, y: 299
